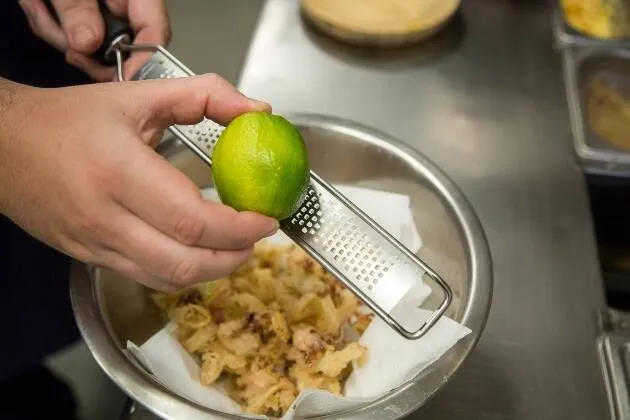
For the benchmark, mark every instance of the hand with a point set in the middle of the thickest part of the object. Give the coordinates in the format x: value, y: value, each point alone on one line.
x: 82, y: 30
x: 77, y: 172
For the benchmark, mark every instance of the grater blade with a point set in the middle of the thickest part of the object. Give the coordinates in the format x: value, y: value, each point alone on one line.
x: 337, y: 234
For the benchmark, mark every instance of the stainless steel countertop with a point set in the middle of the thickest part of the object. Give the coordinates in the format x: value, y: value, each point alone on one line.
x: 486, y: 103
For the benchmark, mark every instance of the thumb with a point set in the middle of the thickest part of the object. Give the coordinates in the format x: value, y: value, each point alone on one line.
x: 187, y: 100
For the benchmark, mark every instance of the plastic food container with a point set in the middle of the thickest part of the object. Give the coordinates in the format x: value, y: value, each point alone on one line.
x: 603, y: 23
x: 598, y: 93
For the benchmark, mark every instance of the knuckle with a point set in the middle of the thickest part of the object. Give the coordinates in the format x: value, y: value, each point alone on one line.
x: 70, y: 6
x: 213, y: 78
x: 81, y: 249
x: 186, y: 272
x: 189, y: 230
x: 81, y: 253
x: 89, y: 224
x: 108, y: 175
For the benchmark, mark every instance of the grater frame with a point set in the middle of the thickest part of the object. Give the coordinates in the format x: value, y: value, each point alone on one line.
x: 352, y: 247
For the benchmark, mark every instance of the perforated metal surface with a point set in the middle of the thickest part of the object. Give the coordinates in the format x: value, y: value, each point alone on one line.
x: 202, y: 136
x: 350, y: 247
x: 329, y: 227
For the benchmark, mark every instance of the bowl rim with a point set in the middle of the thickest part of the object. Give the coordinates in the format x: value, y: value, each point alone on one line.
x: 405, y: 399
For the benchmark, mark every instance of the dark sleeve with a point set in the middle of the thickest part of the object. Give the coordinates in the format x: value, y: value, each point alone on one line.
x: 25, y: 58
x: 35, y: 314
x: 36, y: 317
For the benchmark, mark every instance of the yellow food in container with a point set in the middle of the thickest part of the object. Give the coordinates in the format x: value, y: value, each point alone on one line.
x: 591, y: 17
x: 609, y: 114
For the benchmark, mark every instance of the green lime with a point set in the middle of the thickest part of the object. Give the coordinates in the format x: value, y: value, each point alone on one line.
x: 260, y: 164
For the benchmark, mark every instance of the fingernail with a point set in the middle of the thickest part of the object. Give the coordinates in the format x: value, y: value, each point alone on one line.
x: 273, y: 231
x: 82, y: 37
x: 26, y: 8
x: 261, y: 105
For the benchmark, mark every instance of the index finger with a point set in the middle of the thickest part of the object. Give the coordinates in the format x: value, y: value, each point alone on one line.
x: 187, y: 100
x: 165, y: 198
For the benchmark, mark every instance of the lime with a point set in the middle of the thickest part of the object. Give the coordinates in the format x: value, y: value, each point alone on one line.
x: 260, y: 164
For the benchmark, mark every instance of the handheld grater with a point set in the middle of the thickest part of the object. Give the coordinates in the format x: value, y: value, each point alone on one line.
x: 329, y: 227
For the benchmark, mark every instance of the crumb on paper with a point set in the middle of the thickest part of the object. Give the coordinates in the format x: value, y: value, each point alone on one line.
x: 272, y: 329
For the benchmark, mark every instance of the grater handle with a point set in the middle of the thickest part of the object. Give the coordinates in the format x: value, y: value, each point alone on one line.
x: 117, y: 30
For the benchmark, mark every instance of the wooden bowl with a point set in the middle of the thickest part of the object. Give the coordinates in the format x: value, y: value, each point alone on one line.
x: 379, y: 23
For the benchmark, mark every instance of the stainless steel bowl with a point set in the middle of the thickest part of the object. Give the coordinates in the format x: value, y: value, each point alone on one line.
x: 111, y: 310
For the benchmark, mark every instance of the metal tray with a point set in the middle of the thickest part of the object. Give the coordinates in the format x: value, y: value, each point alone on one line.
x: 614, y: 354
x: 582, y: 65
x: 567, y: 36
